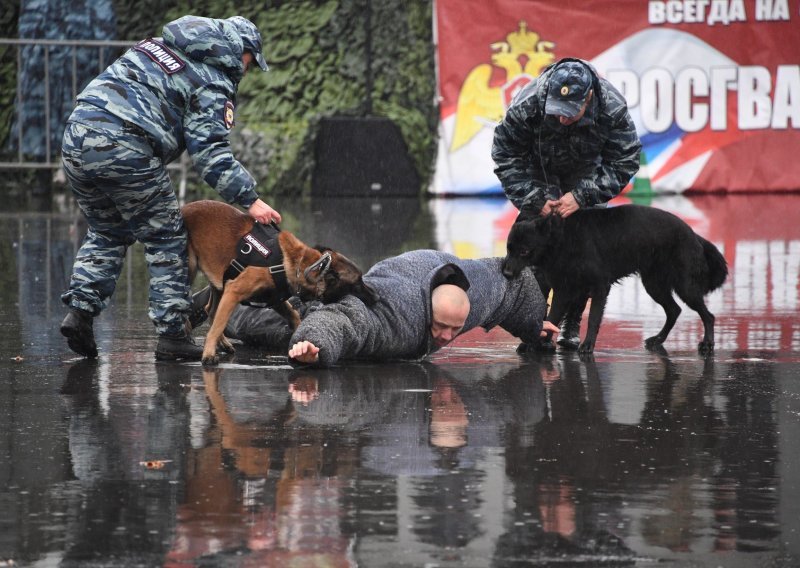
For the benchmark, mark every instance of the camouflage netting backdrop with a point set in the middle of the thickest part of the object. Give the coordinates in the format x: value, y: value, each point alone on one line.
x: 317, y: 52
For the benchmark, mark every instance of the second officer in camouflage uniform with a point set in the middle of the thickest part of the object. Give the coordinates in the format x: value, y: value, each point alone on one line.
x: 567, y: 141
x: 163, y: 96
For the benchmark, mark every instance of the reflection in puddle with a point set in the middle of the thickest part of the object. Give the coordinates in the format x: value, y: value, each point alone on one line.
x: 479, y: 457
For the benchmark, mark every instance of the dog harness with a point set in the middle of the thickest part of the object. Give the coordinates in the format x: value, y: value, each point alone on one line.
x: 260, y: 247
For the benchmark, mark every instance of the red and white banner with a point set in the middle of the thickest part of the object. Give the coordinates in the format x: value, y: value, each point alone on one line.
x: 713, y: 85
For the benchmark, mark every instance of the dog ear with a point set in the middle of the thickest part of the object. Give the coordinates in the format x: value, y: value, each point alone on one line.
x: 331, y: 279
x: 333, y: 290
x: 366, y: 293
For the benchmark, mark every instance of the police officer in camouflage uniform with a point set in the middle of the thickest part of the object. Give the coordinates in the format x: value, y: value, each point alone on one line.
x: 164, y: 96
x: 567, y: 141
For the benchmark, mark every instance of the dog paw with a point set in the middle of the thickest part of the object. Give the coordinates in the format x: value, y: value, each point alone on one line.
x: 653, y: 342
x: 210, y: 360
x: 658, y: 349
x: 225, y: 346
x: 569, y: 344
x: 705, y: 347
x: 586, y: 348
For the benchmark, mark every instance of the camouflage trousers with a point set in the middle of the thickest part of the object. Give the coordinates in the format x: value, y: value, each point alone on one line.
x: 126, y: 195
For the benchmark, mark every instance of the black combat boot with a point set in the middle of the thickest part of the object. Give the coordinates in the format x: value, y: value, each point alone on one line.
x: 180, y: 346
x: 77, y: 328
x: 571, y: 331
x: 198, y: 313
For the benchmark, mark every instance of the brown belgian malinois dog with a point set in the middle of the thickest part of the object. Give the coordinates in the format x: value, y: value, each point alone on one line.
x: 245, y: 260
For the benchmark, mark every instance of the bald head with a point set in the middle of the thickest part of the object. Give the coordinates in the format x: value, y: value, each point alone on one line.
x: 450, y: 308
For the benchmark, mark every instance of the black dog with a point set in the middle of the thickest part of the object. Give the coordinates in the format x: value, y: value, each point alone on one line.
x: 589, y: 251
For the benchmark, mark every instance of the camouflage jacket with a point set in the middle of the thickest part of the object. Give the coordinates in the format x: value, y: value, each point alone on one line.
x: 537, y: 158
x: 180, y: 90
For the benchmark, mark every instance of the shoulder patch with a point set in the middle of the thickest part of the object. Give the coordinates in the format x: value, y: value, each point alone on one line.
x: 228, y: 115
x: 161, y: 54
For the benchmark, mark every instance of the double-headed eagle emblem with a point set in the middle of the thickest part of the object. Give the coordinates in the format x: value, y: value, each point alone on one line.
x: 522, y: 56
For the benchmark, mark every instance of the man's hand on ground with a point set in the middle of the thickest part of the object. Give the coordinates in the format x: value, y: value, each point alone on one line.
x: 549, y: 331
x: 304, y: 352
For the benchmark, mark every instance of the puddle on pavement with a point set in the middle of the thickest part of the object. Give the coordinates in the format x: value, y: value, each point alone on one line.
x: 478, y: 457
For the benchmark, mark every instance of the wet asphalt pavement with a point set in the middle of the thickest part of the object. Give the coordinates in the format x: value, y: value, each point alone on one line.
x: 475, y: 457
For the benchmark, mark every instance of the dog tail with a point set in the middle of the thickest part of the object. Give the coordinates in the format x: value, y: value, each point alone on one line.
x: 717, y: 266
x: 192, y: 257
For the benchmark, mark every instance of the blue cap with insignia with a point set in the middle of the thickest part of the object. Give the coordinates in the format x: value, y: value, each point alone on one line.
x: 251, y: 38
x: 569, y: 84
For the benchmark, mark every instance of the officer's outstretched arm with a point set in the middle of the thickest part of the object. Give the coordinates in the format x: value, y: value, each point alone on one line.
x: 207, y: 125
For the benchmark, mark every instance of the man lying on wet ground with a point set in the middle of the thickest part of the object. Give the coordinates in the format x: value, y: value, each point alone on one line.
x: 427, y: 299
